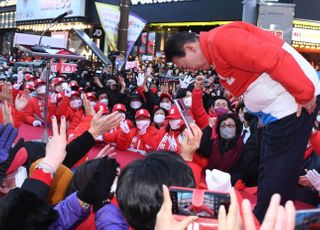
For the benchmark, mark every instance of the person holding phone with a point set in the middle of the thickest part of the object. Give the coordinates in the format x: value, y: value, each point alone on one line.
x: 278, y: 84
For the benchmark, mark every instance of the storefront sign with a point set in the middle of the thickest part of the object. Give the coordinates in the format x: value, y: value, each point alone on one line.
x: 66, y: 67
x: 28, y: 10
x: 136, y: 2
x: 306, y: 35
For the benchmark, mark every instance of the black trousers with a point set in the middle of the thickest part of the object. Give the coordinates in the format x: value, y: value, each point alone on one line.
x: 283, y: 145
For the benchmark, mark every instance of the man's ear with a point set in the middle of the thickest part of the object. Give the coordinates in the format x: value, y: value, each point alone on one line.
x: 189, y: 47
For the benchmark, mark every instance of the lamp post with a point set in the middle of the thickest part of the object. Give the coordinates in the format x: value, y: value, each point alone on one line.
x: 123, y: 27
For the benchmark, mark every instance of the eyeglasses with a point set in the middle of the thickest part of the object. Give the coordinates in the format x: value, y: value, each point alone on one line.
x: 227, y: 125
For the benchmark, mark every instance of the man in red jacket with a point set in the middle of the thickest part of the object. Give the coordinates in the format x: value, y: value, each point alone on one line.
x: 276, y: 82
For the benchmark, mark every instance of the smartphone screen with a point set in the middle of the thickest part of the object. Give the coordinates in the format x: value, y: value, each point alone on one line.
x: 182, y: 203
x: 184, y: 113
x: 308, y: 219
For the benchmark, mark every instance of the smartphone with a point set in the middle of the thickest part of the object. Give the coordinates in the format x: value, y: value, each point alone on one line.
x: 182, y: 203
x: 184, y: 113
x: 307, y: 219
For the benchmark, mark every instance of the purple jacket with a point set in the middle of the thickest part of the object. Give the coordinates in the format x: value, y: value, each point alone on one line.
x: 70, y: 213
x: 109, y: 217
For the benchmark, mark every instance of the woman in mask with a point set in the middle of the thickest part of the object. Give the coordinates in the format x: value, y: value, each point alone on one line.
x: 166, y: 101
x: 72, y: 110
x: 225, y: 150
x: 34, y: 111
x: 159, y: 118
x: 142, y: 137
x: 170, y: 137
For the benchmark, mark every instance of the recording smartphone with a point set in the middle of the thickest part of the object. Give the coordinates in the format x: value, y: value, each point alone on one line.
x: 307, y: 219
x: 184, y: 113
x: 197, y: 202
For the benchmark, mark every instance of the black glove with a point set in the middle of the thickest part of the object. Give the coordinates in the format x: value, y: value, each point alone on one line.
x: 4, y: 166
x: 97, y: 189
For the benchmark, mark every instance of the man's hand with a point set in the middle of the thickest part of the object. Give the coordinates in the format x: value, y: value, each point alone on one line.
x: 309, y: 106
x: 108, y: 151
x: 199, y: 83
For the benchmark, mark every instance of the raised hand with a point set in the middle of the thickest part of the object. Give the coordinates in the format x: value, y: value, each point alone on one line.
x: 108, y: 151
x: 191, y: 142
x: 186, y: 82
x: 7, y: 115
x: 87, y: 106
x: 277, y: 216
x: 199, y: 83
x: 56, y: 147
x: 22, y: 101
x: 102, y: 124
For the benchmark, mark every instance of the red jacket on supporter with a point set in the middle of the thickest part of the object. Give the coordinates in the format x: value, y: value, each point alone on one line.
x: 140, y: 138
x: 35, y: 110
x: 200, y: 115
x: 72, y: 115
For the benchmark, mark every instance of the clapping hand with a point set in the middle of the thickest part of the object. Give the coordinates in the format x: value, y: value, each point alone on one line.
x: 102, y: 124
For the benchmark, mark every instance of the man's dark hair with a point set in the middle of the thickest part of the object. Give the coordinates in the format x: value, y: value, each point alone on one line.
x: 215, y: 98
x: 139, y: 189
x: 175, y: 44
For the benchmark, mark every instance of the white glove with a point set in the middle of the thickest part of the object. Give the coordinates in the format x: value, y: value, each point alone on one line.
x: 140, y: 79
x: 124, y: 127
x: 186, y: 81
x: 314, y: 178
x: 36, y: 123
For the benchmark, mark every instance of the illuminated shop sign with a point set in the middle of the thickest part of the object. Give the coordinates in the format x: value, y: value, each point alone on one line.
x: 136, y: 2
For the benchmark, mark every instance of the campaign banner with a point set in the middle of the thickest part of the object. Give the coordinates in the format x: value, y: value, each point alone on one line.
x: 110, y: 17
x: 132, y: 64
x: 65, y: 68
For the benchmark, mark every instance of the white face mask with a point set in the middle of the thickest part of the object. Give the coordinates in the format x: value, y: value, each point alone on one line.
x: 159, y: 118
x: 227, y: 133
x: 104, y: 101
x: 187, y: 101
x: 175, y: 124
x: 20, y: 176
x: 165, y: 105
x: 135, y: 104
x: 41, y: 89
x: 76, y: 104
x: 93, y: 103
x: 64, y: 85
x: 318, y: 118
x: 143, y: 124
